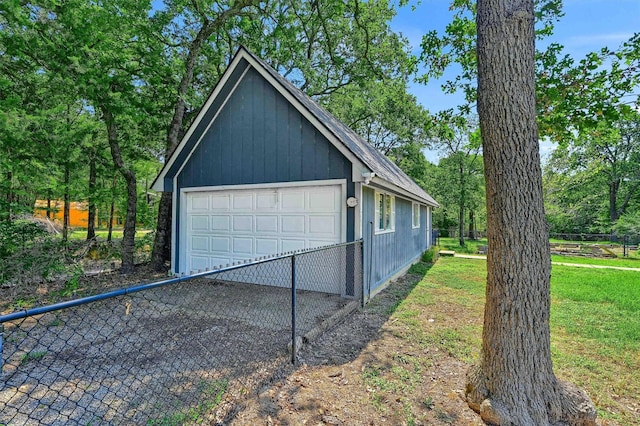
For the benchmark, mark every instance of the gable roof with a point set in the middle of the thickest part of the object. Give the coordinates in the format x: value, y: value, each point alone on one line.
x: 386, y: 172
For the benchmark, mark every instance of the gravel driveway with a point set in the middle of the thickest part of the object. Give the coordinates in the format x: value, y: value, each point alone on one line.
x: 161, y: 356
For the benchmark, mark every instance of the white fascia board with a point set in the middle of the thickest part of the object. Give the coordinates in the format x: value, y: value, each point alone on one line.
x: 357, y: 232
x: 157, y: 184
x: 381, y: 183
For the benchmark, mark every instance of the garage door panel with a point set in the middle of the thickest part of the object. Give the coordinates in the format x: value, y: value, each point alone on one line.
x: 243, y: 223
x: 200, y: 244
x: 220, y: 261
x: 199, y: 263
x: 266, y: 246
x: 319, y: 243
x: 242, y: 245
x: 242, y: 201
x: 220, y: 202
x: 324, y: 201
x: 319, y: 225
x: 199, y: 223
x: 292, y: 245
x: 220, y: 244
x: 221, y: 223
x: 267, y: 201
x: 293, y: 201
x: 292, y: 224
x: 199, y: 203
x: 266, y: 224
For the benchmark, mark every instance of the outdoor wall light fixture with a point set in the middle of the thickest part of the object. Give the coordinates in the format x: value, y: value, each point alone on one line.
x: 367, y: 176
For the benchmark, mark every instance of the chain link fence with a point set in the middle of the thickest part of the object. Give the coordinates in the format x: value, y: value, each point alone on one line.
x: 180, y: 351
x: 597, y: 238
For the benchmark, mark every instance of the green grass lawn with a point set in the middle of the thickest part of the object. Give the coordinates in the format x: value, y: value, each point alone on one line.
x: 595, y: 326
x: 625, y: 262
x: 81, y: 234
x: 471, y: 247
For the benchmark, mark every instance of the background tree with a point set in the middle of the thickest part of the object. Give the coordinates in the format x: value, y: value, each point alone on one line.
x: 305, y: 42
x: 460, y: 183
x: 594, y: 178
x: 106, y: 52
x: 514, y: 382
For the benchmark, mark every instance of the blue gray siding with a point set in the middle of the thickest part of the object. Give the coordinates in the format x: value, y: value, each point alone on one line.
x: 259, y: 137
x: 392, y: 251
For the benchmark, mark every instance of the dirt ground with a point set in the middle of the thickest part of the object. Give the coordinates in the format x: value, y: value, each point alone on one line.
x: 368, y: 371
x: 365, y: 371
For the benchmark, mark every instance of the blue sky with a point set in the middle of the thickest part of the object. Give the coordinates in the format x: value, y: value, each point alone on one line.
x: 587, y: 26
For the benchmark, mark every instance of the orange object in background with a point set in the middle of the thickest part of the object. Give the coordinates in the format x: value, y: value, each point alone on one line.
x: 78, y: 212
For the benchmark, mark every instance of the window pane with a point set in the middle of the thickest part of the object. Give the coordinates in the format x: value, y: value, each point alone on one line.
x: 380, y: 208
x: 387, y: 212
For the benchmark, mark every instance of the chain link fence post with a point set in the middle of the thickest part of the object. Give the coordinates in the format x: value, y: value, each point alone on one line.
x: 293, y: 310
x: 1, y: 339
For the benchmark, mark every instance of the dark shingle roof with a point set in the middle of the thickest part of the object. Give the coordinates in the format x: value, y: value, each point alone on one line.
x: 367, y: 154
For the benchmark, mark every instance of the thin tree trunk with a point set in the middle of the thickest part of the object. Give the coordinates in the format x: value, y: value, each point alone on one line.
x: 91, y: 221
x: 66, y: 201
x: 111, y: 212
x: 514, y: 383
x: 461, y: 204
x: 128, y: 237
x: 49, y: 204
x: 162, y: 243
x: 613, y: 201
x: 112, y: 209
x: 461, y: 225
x: 472, y: 230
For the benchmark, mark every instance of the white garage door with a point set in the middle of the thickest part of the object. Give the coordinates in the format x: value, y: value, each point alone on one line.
x: 223, y: 227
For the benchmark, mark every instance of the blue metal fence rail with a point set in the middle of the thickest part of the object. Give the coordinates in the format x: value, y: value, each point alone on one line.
x: 44, y: 350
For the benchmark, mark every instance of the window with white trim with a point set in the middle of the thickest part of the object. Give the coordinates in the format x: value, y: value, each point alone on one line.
x: 415, y: 217
x: 385, y: 214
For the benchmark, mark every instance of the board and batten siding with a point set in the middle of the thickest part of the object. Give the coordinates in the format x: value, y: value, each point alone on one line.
x: 259, y: 137
x: 390, y: 251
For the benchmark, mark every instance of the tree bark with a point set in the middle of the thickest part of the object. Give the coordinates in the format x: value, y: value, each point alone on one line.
x: 162, y: 243
x: 49, y: 204
x: 472, y: 225
x: 613, y: 200
x: 91, y: 221
x: 66, y: 201
x: 461, y: 202
x: 514, y: 383
x: 128, y: 237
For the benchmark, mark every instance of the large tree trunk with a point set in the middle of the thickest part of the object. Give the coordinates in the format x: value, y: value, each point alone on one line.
x: 162, y: 243
x: 129, y: 233
x: 514, y: 383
